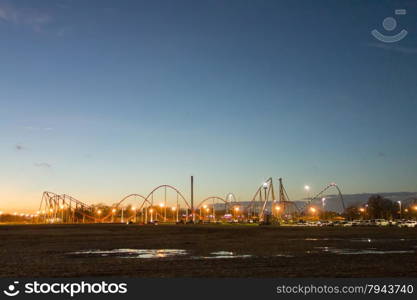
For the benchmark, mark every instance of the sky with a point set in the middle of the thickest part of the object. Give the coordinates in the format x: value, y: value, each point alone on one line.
x: 100, y: 99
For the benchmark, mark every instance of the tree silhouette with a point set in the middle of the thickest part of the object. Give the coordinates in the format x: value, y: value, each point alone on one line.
x: 380, y: 208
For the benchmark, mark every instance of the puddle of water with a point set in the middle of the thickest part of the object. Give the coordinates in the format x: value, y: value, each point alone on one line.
x: 284, y: 255
x: 132, y: 253
x: 368, y: 240
x: 222, y: 254
x: 362, y: 251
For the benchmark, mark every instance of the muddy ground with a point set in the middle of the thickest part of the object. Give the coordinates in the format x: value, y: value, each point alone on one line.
x: 48, y: 251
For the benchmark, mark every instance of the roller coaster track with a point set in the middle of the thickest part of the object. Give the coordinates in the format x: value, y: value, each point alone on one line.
x: 330, y: 185
x: 66, y: 209
x: 54, y: 206
x: 260, y: 199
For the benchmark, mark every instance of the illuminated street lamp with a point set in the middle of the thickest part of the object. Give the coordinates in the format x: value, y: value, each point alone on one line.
x: 399, y: 204
x: 151, y: 211
x: 313, y: 210
x: 362, y: 209
x: 113, y: 211
x: 61, y: 207
x: 236, y: 210
x: 277, y: 210
x: 162, y: 205
x: 307, y: 189
x: 99, y: 214
x: 134, y: 212
x: 174, y: 212
x: 201, y: 211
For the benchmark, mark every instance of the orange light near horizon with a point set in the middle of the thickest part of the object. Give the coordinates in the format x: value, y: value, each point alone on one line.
x: 173, y: 208
x: 99, y: 212
x: 313, y: 209
x: 237, y: 208
x: 133, y: 208
x: 113, y: 210
x: 161, y: 205
x: 415, y: 207
x: 361, y: 209
x: 277, y: 208
x: 204, y: 206
x: 151, y: 210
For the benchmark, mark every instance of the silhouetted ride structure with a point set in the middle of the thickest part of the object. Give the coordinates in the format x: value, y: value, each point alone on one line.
x: 167, y: 204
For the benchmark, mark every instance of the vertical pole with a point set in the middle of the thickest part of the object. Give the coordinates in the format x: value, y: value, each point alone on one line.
x: 281, y: 196
x: 192, y: 198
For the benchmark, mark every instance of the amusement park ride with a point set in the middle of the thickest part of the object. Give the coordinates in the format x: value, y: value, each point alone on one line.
x: 166, y: 204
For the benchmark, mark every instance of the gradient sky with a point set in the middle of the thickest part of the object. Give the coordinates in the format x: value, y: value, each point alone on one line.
x: 100, y: 99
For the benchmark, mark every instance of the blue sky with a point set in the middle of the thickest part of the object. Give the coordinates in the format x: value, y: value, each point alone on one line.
x: 100, y: 99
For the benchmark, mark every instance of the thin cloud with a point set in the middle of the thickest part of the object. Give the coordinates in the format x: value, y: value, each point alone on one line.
x: 395, y: 48
x: 33, y: 128
x: 43, y: 165
x: 30, y: 17
x: 19, y: 147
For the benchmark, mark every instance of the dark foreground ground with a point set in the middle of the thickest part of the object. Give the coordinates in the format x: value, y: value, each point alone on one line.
x: 43, y: 251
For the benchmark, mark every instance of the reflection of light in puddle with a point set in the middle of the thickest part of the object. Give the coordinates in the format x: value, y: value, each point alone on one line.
x: 133, y: 253
x: 222, y: 254
x: 368, y: 240
x: 362, y: 251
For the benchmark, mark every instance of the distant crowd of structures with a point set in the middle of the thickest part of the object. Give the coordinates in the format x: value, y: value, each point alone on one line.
x: 166, y: 204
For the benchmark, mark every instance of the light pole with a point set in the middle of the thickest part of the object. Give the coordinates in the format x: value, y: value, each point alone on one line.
x: 313, y: 210
x: 401, y: 213
x: 277, y: 210
x: 61, y: 207
x: 151, y: 211
x: 134, y: 212
x: 265, y: 186
x: 174, y: 213
x: 99, y: 213
x: 307, y: 189
x: 162, y: 205
x: 201, y: 213
x: 113, y: 211
x: 236, y: 210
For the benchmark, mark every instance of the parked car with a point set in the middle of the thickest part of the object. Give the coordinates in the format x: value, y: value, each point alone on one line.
x: 381, y: 222
x: 409, y: 223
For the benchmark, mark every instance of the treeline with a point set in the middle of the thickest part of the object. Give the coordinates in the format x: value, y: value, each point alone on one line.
x: 378, y: 207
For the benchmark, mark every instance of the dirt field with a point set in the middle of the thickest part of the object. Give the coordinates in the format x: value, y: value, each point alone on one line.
x: 48, y: 251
